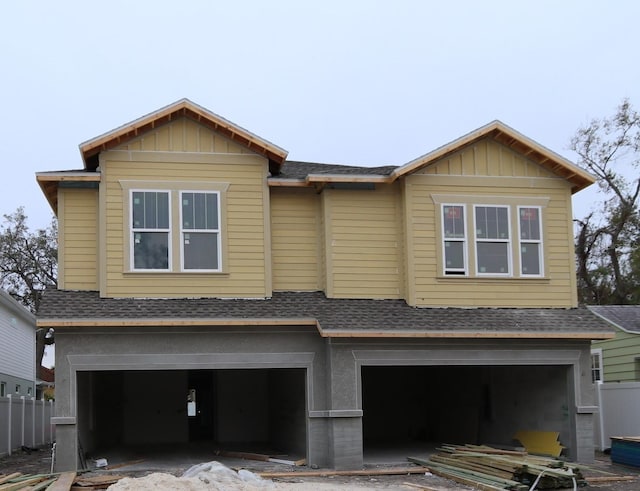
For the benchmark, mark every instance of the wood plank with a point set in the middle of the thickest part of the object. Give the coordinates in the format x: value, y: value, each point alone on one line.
x: 362, y: 472
x: 8, y: 477
x: 64, y: 482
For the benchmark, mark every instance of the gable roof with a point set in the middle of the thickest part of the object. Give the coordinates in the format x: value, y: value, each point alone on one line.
x: 184, y: 108
x: 333, y: 317
x: 307, y: 174
x: 624, y: 317
x: 510, y: 138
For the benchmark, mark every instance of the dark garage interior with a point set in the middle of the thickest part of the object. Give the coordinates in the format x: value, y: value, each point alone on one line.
x: 250, y: 410
x: 406, y: 406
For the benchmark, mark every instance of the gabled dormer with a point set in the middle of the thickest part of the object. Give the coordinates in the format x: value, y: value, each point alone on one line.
x: 170, y: 204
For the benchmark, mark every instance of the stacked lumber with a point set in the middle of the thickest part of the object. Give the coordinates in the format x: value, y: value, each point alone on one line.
x: 65, y: 481
x: 491, y: 469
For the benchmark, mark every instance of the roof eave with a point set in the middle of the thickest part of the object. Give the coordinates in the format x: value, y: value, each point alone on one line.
x: 50, y: 181
x: 355, y: 333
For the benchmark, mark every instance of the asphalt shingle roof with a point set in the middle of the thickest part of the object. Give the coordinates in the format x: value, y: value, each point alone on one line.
x: 333, y: 315
x: 300, y: 170
x: 625, y: 316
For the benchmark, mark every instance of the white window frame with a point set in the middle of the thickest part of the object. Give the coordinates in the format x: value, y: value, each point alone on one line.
x: 596, y: 354
x: 464, y: 239
x: 522, y: 242
x: 217, y: 231
x: 506, y: 241
x: 132, y: 231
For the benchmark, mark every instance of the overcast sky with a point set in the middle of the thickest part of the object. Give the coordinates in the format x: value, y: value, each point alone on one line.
x: 352, y: 82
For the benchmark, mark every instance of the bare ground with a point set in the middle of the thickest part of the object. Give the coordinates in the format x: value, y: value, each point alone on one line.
x: 39, y: 462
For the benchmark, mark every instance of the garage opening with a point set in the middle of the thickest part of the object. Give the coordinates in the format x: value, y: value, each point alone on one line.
x: 413, y: 406
x: 252, y: 410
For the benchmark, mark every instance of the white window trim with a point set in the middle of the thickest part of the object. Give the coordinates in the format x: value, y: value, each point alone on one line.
x: 464, y: 240
x: 217, y: 231
x: 507, y: 241
x: 540, y: 243
x: 132, y: 232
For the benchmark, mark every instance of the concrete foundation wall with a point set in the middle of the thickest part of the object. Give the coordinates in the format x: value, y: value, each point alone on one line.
x: 528, y: 383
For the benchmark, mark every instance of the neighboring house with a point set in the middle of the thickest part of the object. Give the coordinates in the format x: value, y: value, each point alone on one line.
x: 17, y: 348
x: 618, y: 359
x: 615, y: 368
x: 211, y: 290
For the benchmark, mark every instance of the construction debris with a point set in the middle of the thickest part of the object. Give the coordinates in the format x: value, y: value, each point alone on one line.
x: 65, y: 481
x: 491, y: 469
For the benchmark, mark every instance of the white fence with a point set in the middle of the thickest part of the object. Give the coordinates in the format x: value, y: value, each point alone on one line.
x: 619, y: 414
x: 24, y: 421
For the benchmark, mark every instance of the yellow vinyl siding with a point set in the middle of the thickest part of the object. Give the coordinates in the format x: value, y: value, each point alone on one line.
x: 295, y: 240
x: 242, y: 205
x: 78, y: 239
x: 364, y: 237
x: 466, y: 176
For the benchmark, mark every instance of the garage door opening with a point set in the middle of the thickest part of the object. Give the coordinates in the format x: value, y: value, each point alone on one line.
x: 417, y: 407
x: 252, y: 410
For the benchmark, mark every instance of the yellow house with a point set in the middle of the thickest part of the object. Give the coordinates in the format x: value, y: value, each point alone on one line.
x: 211, y: 290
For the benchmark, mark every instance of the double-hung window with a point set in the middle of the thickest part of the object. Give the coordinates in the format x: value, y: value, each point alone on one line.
x: 493, y: 243
x: 200, y: 230
x: 530, y: 241
x: 454, y: 240
x: 150, y: 230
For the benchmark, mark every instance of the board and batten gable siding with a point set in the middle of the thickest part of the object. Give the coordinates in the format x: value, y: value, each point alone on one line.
x: 78, y: 239
x: 181, y: 155
x: 620, y: 357
x: 296, y: 248
x: 18, y: 346
x: 492, y: 174
x: 363, y: 241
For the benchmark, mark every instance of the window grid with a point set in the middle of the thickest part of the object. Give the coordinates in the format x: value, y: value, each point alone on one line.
x: 530, y: 236
x: 454, y: 239
x: 493, y: 240
x: 150, y: 230
x: 200, y: 230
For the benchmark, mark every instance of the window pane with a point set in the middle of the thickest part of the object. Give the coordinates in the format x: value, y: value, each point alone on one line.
x: 212, y: 211
x: 530, y: 258
x: 492, y: 222
x: 137, y: 207
x: 200, y: 211
x: 150, y: 210
x: 151, y: 250
x: 454, y: 255
x: 453, y: 221
x: 529, y: 224
x: 187, y: 210
x: 200, y: 250
x: 493, y: 257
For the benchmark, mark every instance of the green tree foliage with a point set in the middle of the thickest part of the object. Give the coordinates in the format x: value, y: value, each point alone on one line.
x: 28, y: 260
x: 608, y: 239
